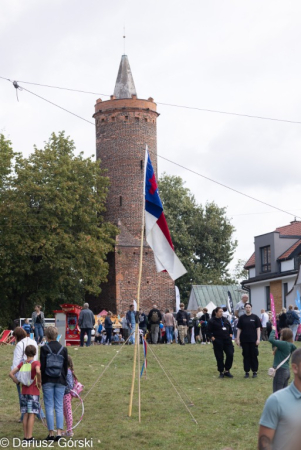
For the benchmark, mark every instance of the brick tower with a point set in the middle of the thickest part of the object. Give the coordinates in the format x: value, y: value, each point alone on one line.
x: 124, y: 126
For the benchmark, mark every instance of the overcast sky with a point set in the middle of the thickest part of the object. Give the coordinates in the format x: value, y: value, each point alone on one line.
x: 235, y: 56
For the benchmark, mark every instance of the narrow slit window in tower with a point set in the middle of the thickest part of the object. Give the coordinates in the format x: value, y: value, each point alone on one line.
x: 120, y: 200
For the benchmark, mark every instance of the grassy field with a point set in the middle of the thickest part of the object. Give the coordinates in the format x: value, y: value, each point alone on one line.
x: 227, y: 411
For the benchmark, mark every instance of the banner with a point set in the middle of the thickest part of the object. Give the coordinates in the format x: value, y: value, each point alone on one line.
x: 273, y: 314
x: 230, y: 303
x: 177, y: 298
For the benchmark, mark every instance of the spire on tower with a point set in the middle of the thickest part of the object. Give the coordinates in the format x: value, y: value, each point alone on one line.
x: 125, y: 86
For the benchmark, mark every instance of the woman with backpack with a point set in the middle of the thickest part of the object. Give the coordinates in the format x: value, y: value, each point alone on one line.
x: 54, y: 369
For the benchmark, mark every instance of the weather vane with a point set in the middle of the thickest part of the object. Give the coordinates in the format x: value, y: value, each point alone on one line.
x: 124, y: 36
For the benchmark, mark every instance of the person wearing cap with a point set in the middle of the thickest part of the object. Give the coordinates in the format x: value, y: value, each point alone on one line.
x: 248, y: 336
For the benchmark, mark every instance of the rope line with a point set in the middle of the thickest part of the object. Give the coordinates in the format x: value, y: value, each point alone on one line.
x: 105, y: 369
x: 179, y: 386
x: 173, y: 385
x: 166, y: 159
x: 216, y: 111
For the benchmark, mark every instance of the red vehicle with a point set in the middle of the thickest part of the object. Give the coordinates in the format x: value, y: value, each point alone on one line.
x: 66, y: 320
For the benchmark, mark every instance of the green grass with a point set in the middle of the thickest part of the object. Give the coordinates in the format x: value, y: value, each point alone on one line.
x: 227, y: 411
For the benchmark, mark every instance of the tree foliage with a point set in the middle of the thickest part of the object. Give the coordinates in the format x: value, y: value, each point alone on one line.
x: 53, y: 239
x: 202, y: 236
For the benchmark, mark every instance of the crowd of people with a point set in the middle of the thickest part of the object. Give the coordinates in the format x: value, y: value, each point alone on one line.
x: 54, y: 372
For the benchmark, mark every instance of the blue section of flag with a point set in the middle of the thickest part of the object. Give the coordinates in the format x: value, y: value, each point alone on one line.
x: 153, y: 203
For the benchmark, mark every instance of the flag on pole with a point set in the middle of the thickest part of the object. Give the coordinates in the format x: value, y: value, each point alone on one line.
x: 230, y: 303
x: 156, y: 229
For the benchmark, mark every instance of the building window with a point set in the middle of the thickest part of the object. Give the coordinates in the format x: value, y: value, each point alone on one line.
x: 120, y: 200
x: 285, y: 291
x: 265, y: 259
x: 297, y: 261
x: 268, y: 298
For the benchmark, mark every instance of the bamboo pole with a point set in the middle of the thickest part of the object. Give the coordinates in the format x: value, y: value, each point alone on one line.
x: 138, y: 306
x: 138, y: 371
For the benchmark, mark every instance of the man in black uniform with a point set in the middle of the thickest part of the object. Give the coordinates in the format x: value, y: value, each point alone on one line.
x: 220, y: 331
x: 248, y: 336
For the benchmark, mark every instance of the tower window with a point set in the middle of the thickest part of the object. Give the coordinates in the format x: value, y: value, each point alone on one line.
x: 113, y: 119
x: 141, y: 164
x: 126, y: 117
x: 102, y: 120
x: 137, y: 119
x: 120, y: 200
x: 145, y: 120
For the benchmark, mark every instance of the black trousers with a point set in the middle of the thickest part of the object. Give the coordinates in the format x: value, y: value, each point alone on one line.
x: 250, y: 355
x: 220, y: 347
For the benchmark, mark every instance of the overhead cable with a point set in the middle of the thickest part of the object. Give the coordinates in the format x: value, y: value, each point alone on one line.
x: 169, y: 160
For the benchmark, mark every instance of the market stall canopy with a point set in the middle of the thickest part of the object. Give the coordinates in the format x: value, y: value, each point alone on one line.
x: 102, y: 313
x: 211, y: 306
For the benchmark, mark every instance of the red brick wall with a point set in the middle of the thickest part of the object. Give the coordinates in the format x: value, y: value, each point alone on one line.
x: 276, y: 290
x: 155, y: 287
x: 123, y: 128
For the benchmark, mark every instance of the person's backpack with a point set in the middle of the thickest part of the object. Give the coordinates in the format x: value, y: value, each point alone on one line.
x: 24, y: 374
x: 155, y: 317
x: 54, y: 363
x: 289, y: 318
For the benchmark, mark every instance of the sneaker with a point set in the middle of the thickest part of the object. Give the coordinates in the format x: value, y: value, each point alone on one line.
x: 254, y: 375
x: 49, y: 438
x: 247, y: 375
x: 228, y: 374
x: 57, y: 438
x: 221, y: 375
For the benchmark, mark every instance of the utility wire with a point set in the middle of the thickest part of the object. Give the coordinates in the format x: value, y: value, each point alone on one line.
x: 162, y: 157
x: 58, y: 106
x: 229, y: 113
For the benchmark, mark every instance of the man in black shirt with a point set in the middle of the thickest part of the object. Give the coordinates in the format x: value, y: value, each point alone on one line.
x: 182, y: 318
x: 248, y: 336
x: 220, y: 331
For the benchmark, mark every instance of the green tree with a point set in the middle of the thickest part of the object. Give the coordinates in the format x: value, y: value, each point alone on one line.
x: 202, y: 236
x: 53, y: 241
x: 239, y: 272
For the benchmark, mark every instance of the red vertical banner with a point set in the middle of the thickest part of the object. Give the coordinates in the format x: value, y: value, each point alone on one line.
x: 273, y: 314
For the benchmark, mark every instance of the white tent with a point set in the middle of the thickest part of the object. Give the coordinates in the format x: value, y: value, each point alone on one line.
x: 211, y: 306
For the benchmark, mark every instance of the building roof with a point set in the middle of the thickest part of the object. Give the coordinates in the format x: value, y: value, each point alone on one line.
x: 289, y: 251
x: 125, y: 86
x: 293, y: 229
x: 251, y: 262
x: 201, y: 295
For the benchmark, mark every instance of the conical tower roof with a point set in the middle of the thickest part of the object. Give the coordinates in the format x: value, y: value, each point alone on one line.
x: 125, y: 86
